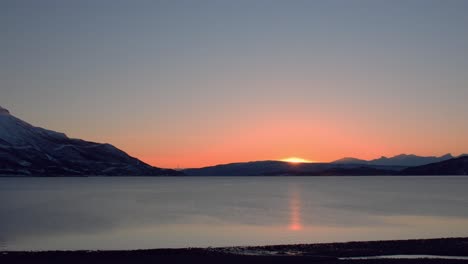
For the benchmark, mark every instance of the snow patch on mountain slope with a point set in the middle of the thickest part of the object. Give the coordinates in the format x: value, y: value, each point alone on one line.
x: 4, y: 111
x: 30, y: 150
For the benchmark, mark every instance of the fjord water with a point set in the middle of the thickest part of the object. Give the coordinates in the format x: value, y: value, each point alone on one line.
x: 161, y: 212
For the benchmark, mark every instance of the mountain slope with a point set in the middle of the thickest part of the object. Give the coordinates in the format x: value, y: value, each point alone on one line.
x: 350, y: 160
x: 399, y: 160
x: 281, y: 168
x: 456, y: 166
x: 409, y: 160
x: 29, y: 150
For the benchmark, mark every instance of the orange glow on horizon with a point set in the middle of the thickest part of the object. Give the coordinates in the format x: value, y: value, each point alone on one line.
x: 322, y: 138
x: 296, y: 160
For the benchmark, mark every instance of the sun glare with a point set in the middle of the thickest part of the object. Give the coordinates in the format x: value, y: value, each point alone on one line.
x: 296, y: 160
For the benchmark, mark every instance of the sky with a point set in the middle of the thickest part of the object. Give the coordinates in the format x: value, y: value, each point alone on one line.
x: 194, y: 83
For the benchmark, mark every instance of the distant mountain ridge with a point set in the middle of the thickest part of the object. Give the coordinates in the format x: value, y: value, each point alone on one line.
x: 397, y: 165
x: 456, y: 166
x: 282, y: 168
x: 34, y: 151
x: 399, y: 160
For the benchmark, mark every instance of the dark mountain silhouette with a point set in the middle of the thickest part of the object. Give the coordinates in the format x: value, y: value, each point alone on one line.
x: 399, y: 160
x: 350, y: 160
x: 34, y: 151
x: 456, y: 166
x: 281, y: 168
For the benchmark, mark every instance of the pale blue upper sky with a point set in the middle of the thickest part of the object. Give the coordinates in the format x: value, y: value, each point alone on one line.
x: 164, y: 79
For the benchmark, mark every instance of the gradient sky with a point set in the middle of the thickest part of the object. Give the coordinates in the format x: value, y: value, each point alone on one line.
x: 195, y: 83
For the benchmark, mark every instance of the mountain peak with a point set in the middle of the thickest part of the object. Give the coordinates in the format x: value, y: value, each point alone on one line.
x: 404, y: 156
x: 4, y: 111
x: 350, y: 160
x: 34, y: 151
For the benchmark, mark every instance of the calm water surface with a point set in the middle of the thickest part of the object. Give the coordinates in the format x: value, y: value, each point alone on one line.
x: 138, y: 212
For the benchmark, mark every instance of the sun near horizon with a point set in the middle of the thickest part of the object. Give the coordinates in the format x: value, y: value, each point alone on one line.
x: 296, y: 160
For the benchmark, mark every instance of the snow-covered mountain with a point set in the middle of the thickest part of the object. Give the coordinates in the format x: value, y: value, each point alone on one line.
x: 35, y: 151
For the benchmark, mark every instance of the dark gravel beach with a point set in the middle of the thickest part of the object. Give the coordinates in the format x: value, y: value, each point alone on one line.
x: 303, y: 253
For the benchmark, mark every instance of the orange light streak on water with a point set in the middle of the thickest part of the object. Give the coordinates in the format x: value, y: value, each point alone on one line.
x: 295, y: 223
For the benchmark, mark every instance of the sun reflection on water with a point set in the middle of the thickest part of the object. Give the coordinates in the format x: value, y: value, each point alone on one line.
x: 295, y: 223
